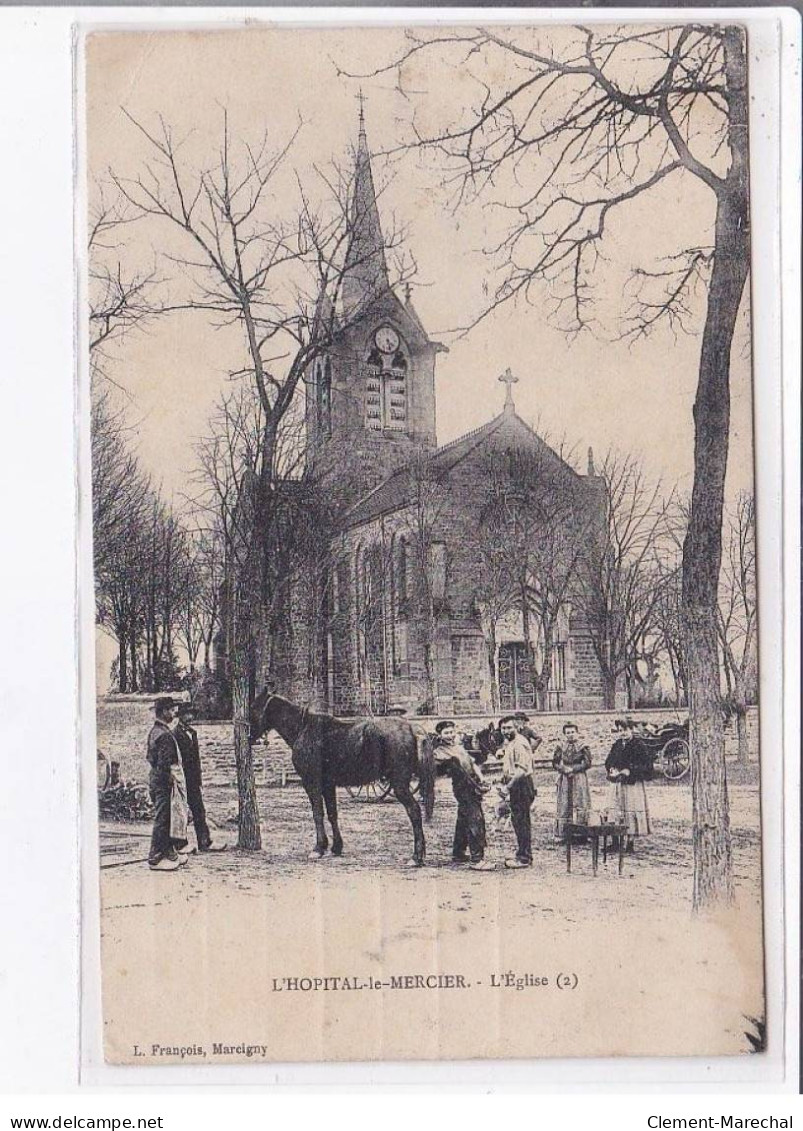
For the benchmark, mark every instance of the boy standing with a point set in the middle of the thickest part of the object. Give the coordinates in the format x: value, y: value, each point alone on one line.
x: 467, y: 786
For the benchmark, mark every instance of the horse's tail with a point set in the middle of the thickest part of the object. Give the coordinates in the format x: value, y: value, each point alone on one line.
x: 426, y: 773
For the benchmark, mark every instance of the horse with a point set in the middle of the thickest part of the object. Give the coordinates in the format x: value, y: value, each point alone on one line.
x: 328, y: 752
x: 486, y: 743
x: 483, y: 744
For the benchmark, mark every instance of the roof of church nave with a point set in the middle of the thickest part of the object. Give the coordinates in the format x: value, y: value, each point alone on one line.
x: 395, y: 492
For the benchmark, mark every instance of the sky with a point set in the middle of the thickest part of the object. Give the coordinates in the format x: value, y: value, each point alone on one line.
x: 591, y: 391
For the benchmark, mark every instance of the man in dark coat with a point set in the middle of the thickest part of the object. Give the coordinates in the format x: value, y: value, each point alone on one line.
x: 467, y: 786
x: 162, y: 755
x: 187, y: 739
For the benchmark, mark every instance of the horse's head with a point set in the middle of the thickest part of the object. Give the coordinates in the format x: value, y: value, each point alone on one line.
x: 260, y: 715
x: 487, y: 741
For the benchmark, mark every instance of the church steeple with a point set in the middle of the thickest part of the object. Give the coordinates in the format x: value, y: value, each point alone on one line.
x: 370, y: 397
x: 366, y: 273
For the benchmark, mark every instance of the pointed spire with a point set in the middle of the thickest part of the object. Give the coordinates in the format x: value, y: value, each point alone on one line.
x: 366, y: 272
x: 591, y: 468
x: 361, y: 131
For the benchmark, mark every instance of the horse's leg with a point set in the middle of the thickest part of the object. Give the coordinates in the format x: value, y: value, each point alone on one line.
x: 401, y: 788
x: 313, y: 788
x: 330, y: 800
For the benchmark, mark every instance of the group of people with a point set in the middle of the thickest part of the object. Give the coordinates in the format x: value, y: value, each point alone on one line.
x: 175, y: 784
x: 628, y: 766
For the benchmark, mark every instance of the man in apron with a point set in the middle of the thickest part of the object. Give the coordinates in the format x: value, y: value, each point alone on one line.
x: 168, y: 792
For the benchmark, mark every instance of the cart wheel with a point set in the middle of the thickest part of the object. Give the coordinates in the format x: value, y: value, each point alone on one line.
x: 371, y: 791
x: 675, y: 759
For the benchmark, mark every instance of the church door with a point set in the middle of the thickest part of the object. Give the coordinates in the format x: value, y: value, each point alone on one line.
x: 516, y: 687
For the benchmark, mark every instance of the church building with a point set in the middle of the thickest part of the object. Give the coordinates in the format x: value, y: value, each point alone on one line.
x: 406, y: 616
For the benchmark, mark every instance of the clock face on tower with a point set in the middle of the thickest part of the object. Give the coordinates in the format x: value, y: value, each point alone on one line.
x: 386, y: 339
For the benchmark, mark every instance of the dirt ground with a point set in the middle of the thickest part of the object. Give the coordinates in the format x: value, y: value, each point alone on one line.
x: 248, y: 920
x: 379, y: 834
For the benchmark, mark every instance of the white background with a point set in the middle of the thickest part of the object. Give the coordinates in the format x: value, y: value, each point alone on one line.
x: 40, y: 987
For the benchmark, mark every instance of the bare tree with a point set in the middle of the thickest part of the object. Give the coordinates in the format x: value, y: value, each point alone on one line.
x: 643, y: 675
x: 423, y: 522
x: 165, y: 582
x: 737, y: 613
x: 140, y: 585
x: 668, y: 613
x: 617, y: 592
x: 121, y: 299
x: 538, y: 518
x: 190, y: 626
x: 205, y: 572
x: 494, y: 597
x: 118, y: 483
x: 567, y: 130
x: 277, y: 280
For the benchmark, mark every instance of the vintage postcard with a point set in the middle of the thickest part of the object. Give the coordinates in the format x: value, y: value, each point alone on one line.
x: 424, y: 542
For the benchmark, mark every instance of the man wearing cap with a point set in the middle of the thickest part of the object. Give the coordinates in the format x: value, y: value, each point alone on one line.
x: 169, y: 839
x: 522, y: 722
x: 467, y: 786
x: 517, y: 774
x: 187, y: 739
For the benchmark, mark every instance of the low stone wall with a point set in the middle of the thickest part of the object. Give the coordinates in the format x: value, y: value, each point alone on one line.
x: 124, y: 721
x: 596, y: 727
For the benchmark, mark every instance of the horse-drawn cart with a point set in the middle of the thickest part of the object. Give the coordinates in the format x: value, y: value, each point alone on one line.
x: 371, y: 791
x: 382, y: 790
x: 669, y: 748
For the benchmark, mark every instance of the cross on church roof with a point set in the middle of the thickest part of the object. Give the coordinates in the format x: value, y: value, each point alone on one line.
x: 361, y: 100
x: 508, y: 380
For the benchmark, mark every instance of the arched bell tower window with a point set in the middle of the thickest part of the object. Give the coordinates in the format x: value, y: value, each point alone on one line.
x: 386, y: 371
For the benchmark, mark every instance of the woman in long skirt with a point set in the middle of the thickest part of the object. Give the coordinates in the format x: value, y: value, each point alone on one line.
x: 572, y: 760
x: 628, y: 767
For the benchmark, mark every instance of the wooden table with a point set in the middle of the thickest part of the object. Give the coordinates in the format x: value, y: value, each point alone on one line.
x: 595, y: 833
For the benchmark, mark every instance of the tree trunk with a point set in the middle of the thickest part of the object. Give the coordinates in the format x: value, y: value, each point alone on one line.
x: 429, y: 656
x: 740, y: 710
x: 429, y: 672
x: 318, y: 654
x: 711, y: 839
x: 492, y: 670
x: 609, y: 690
x: 545, y: 675
x: 741, y: 734
x: 122, y: 674
x: 250, y: 836
x: 675, y: 680
x: 132, y: 645
x: 702, y: 548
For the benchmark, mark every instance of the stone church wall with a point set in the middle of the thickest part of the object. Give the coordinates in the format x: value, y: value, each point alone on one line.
x: 585, y: 677
x: 381, y: 661
x: 460, y: 654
